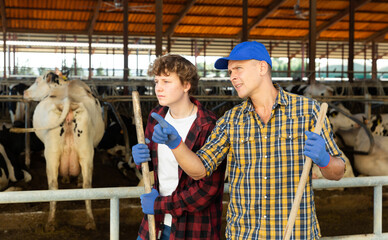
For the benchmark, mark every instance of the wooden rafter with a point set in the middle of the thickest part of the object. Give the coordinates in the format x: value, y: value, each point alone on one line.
x: 263, y: 15
x: 178, y: 19
x: 337, y: 18
x: 94, y: 17
x: 377, y: 35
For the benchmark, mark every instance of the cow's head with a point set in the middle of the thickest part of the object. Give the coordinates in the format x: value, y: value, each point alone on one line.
x: 42, y: 85
x: 340, y: 121
x: 376, y: 126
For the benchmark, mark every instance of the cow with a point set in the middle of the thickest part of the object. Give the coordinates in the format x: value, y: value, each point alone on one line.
x: 17, y: 109
x: 310, y: 90
x: 114, y: 134
x: 379, y: 124
x: 10, y: 169
x: 375, y: 163
x: 68, y: 120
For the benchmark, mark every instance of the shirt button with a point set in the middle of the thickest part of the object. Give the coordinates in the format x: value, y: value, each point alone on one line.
x: 265, y: 216
x: 265, y: 137
x: 265, y: 196
x: 289, y: 136
x: 242, y: 140
x: 265, y: 177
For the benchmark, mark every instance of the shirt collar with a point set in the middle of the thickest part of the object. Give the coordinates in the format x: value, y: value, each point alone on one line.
x: 281, y: 99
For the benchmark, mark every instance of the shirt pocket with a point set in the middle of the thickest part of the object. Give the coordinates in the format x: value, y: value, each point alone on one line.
x: 245, y: 149
x: 289, y: 142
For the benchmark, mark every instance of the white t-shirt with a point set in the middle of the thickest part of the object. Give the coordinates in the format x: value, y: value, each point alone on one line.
x: 168, y: 166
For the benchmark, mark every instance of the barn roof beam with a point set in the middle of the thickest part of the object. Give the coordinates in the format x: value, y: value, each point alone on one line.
x: 263, y: 15
x: 337, y: 18
x: 376, y: 36
x: 94, y: 17
x: 171, y: 29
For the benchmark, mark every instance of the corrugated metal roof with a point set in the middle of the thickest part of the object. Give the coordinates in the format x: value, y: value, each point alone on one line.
x: 207, y: 20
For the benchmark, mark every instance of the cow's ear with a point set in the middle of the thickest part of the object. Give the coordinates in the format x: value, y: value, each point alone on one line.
x: 65, y: 74
x: 48, y: 77
x: 379, y: 119
x: 364, y: 120
x: 333, y: 114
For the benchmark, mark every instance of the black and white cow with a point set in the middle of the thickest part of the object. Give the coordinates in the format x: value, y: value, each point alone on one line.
x: 10, y: 168
x: 69, y: 122
x: 17, y: 109
x: 309, y: 90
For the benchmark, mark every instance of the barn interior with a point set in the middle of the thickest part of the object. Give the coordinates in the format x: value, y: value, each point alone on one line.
x: 341, y: 44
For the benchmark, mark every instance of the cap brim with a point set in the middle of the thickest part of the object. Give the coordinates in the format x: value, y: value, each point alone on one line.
x: 221, y: 63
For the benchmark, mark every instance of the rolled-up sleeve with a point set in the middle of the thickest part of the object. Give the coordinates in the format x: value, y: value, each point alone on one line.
x: 327, y: 134
x: 216, y: 147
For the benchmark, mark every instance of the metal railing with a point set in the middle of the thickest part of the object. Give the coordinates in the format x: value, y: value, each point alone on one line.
x: 377, y: 183
x: 114, y: 194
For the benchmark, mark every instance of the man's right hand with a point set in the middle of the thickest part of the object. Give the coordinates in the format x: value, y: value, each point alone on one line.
x: 141, y: 153
x: 164, y: 133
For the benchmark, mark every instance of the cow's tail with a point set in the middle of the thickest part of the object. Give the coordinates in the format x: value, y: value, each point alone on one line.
x: 58, y: 123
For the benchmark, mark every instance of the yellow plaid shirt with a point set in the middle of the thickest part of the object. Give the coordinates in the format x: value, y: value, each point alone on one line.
x: 265, y: 162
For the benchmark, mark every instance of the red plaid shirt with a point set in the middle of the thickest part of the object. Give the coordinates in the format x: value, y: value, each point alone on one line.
x: 195, y: 206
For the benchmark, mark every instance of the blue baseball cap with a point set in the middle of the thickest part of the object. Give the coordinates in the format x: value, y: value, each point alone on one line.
x: 245, y: 51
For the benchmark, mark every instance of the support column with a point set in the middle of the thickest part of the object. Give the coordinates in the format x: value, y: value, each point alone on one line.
x: 125, y: 42
x: 365, y: 62
x: 159, y: 27
x: 312, y: 40
x: 327, y: 59
x: 342, y: 58
x: 351, y: 42
x: 75, y: 57
x: 90, y: 57
x: 168, y: 44
x: 204, y: 58
x: 289, y: 60
x: 9, y: 60
x: 5, y: 54
x: 244, y: 35
x: 374, y: 60
x: 303, y: 50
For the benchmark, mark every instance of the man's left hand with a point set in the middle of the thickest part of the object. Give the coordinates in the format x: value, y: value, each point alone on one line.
x: 148, y: 201
x: 315, y: 149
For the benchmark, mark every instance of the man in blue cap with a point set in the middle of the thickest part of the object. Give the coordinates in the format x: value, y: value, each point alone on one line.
x: 265, y: 140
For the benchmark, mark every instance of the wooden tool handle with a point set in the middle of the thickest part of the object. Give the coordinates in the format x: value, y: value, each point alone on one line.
x: 144, y: 166
x: 303, y: 178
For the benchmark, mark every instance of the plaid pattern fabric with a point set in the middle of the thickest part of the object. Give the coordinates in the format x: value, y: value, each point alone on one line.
x: 265, y: 162
x: 196, y: 206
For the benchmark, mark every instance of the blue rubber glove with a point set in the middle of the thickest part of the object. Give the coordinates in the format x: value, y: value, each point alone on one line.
x: 315, y: 149
x: 148, y: 201
x: 164, y: 133
x: 141, y: 153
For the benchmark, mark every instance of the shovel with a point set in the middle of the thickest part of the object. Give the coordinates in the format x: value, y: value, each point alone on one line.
x: 303, y: 178
x: 144, y: 166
